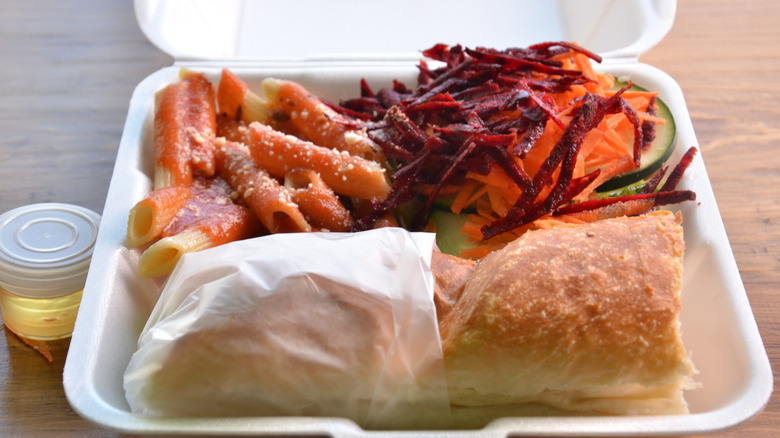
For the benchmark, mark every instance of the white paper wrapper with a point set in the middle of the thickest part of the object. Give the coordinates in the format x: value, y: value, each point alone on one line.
x: 314, y: 324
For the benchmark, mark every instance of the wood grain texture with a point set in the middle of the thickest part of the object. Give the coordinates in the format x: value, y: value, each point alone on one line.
x: 69, y: 69
x: 68, y: 72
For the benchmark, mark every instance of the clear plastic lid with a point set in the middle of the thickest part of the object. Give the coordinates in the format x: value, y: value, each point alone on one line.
x: 46, y: 249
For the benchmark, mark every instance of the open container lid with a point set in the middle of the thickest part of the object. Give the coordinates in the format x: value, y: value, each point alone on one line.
x: 255, y: 30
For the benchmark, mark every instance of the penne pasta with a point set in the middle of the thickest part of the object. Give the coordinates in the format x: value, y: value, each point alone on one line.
x: 184, y: 130
x: 268, y: 199
x: 346, y: 174
x: 386, y: 221
x: 230, y: 129
x: 237, y: 102
x: 319, y: 204
x: 230, y: 94
x: 160, y: 258
x: 306, y: 116
x: 208, y: 218
x: 151, y: 215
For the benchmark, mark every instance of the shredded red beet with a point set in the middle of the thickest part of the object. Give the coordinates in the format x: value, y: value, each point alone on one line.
x: 648, y: 126
x: 666, y: 195
x: 451, y: 123
x: 654, y: 180
x: 679, y: 170
x: 564, y: 154
x: 659, y: 198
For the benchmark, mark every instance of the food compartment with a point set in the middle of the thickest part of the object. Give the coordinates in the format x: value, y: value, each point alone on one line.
x: 716, y: 321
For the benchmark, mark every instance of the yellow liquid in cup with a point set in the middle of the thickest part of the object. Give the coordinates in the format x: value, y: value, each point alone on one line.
x: 43, y: 319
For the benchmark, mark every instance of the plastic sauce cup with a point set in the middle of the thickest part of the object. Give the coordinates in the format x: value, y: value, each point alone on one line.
x: 45, y: 252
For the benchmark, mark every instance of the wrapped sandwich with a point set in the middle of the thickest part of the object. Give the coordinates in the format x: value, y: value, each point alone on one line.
x: 315, y: 324
x: 581, y: 319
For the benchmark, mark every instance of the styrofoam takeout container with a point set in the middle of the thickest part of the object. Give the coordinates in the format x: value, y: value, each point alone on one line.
x: 329, y: 49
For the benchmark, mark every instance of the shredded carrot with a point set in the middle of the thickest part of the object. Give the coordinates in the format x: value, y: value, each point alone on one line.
x: 582, y: 62
x: 498, y: 180
x: 607, y: 82
x: 625, y: 208
x: 498, y: 203
x: 463, y: 196
x: 643, y: 116
x: 608, y: 147
x: 476, y: 195
x: 632, y: 94
x: 484, y: 208
x: 472, y: 227
x: 571, y: 133
x: 620, y: 166
x: 637, y: 102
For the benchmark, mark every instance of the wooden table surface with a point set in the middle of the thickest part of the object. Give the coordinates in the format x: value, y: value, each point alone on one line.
x: 67, y: 70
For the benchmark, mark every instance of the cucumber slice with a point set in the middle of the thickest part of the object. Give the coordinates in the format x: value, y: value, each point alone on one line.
x: 448, y: 236
x: 655, y: 156
x: 631, y: 189
x: 443, y: 202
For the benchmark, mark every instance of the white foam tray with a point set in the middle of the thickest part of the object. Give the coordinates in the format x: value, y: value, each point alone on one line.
x: 718, y: 325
